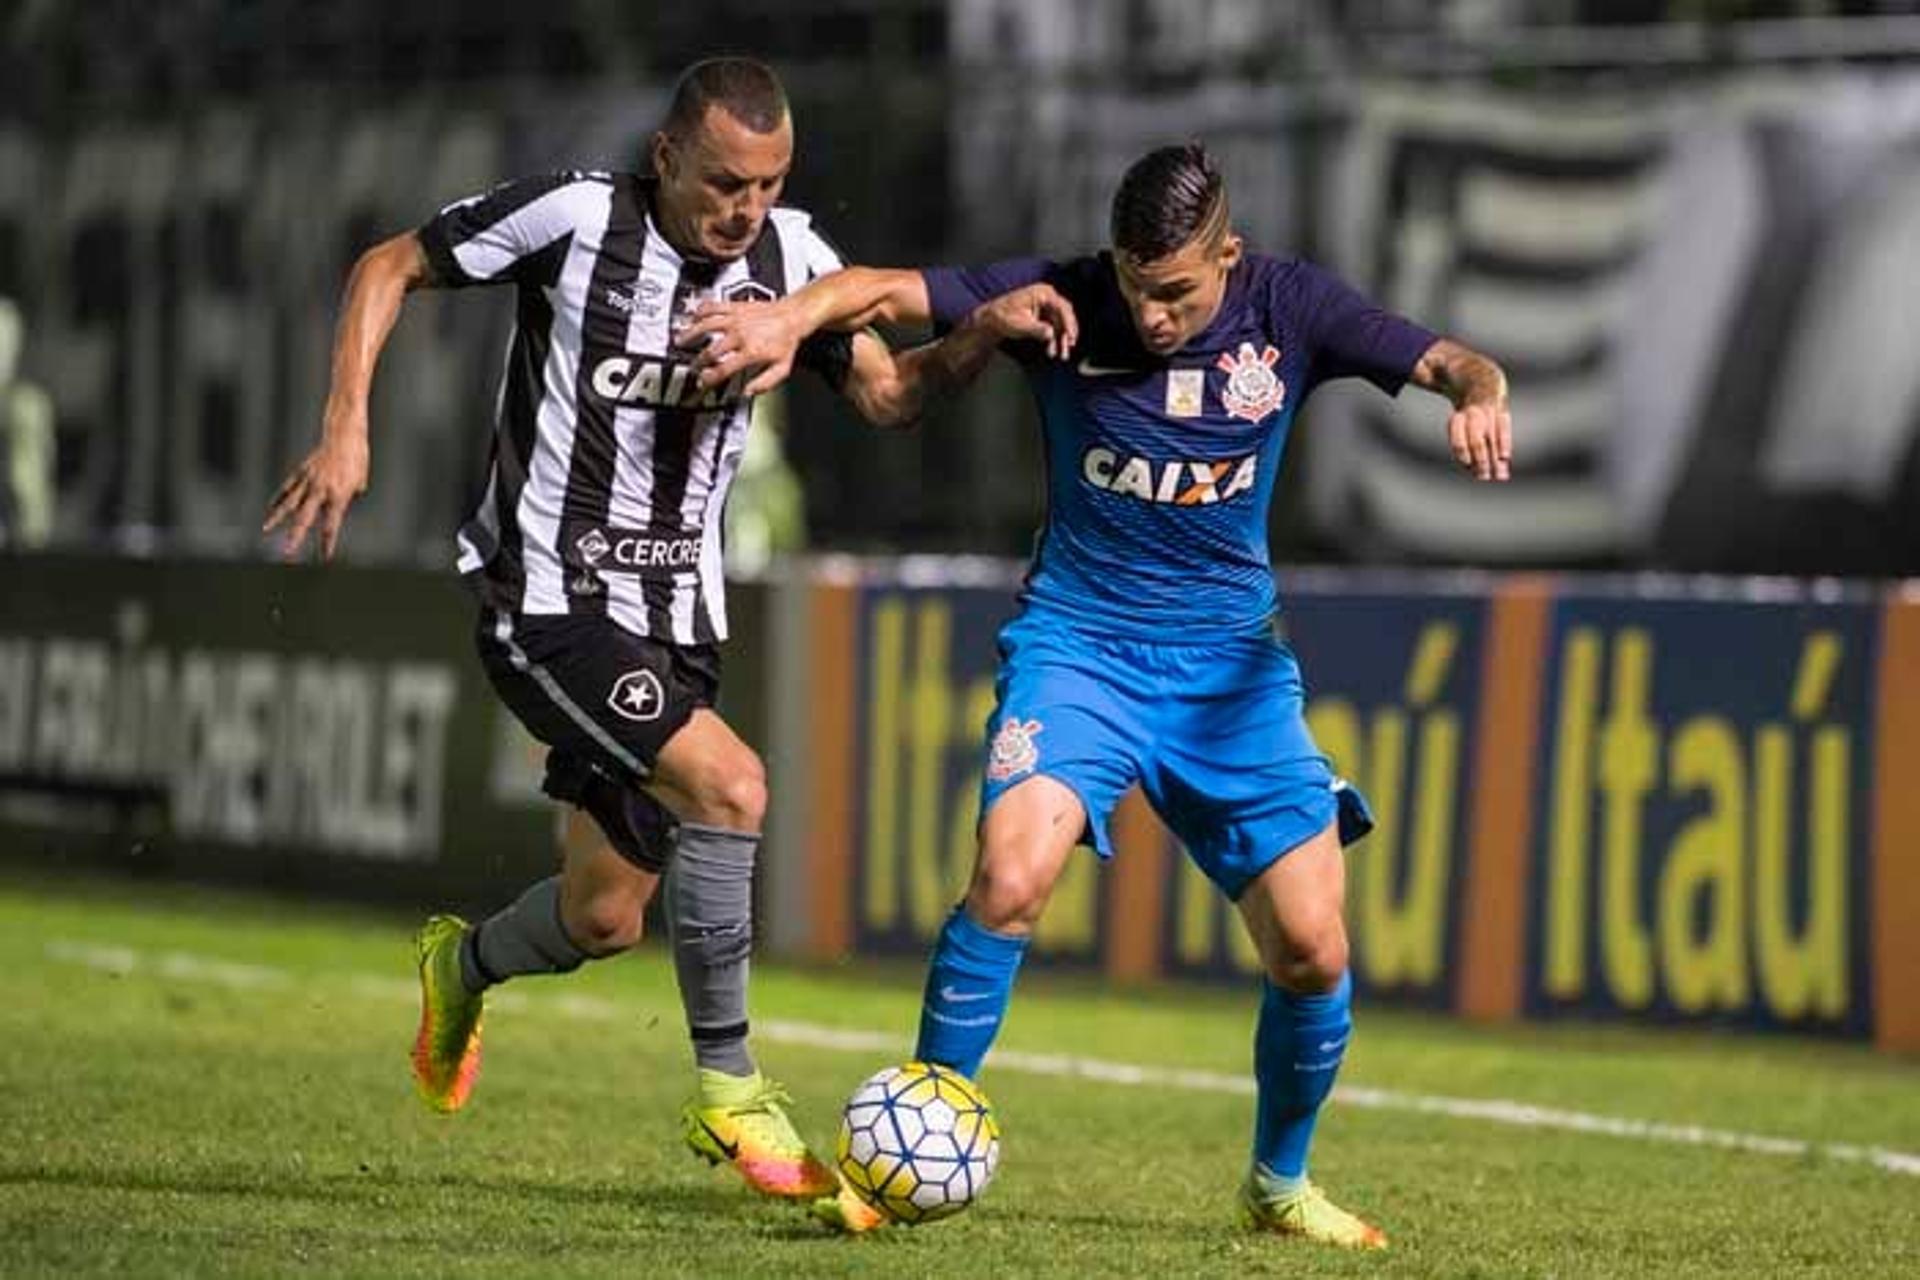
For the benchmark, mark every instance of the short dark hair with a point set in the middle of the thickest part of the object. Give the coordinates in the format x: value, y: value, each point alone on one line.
x: 749, y: 91
x: 1167, y: 197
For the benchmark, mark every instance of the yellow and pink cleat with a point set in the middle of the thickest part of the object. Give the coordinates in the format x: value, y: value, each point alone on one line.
x: 446, y: 1049
x: 846, y: 1212
x: 1307, y: 1214
x: 742, y: 1121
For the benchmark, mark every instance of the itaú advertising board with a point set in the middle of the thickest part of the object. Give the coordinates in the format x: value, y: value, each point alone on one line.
x: 1703, y: 834
x: 1675, y: 802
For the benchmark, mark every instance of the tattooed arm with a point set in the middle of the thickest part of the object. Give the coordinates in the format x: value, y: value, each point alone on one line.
x: 1480, y: 429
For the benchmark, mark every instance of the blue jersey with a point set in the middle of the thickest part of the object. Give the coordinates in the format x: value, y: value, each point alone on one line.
x: 1161, y: 469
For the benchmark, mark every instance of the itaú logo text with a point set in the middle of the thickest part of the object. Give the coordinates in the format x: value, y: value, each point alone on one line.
x: 629, y: 379
x: 1179, y: 483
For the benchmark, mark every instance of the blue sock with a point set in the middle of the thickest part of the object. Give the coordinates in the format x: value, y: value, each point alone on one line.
x: 968, y: 984
x: 1296, y: 1054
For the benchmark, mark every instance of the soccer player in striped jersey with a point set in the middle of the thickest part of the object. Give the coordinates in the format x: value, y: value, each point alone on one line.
x: 1144, y: 652
x: 595, y: 554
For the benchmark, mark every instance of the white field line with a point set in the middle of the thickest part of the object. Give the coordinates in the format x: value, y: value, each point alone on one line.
x: 184, y: 967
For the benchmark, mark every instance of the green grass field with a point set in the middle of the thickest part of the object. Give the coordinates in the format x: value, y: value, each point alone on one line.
x: 201, y: 1083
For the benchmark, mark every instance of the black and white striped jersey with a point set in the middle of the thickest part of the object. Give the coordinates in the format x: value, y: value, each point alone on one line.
x: 610, y: 467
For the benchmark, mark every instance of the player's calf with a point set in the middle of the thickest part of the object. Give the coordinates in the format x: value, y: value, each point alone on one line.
x: 458, y: 962
x: 602, y: 925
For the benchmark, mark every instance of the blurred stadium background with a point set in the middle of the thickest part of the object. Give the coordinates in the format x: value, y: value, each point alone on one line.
x: 1643, y: 727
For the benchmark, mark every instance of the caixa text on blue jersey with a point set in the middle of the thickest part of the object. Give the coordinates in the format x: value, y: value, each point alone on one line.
x: 1180, y: 483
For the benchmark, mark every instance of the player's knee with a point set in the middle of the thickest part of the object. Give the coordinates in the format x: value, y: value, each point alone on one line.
x: 741, y: 799
x: 1006, y: 899
x: 732, y: 793
x: 605, y: 925
x: 1312, y: 960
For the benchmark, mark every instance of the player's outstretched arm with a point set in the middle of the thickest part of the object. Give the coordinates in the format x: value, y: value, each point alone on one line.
x: 319, y: 490
x: 892, y: 389
x: 1480, y: 429
x: 766, y: 335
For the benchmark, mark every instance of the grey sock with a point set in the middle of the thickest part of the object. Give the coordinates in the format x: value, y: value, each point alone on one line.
x: 526, y: 937
x: 709, y: 889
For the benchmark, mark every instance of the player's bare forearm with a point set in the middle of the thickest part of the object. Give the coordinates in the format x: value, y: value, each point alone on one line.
x: 856, y: 298
x: 317, y: 493
x: 1461, y: 374
x: 893, y: 389
x: 377, y: 287
x: 1480, y: 429
x: 761, y: 338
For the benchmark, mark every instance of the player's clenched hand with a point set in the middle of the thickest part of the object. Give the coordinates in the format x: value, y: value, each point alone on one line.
x: 1480, y: 429
x: 1036, y: 313
x: 733, y: 337
x: 1480, y: 434
x: 319, y: 491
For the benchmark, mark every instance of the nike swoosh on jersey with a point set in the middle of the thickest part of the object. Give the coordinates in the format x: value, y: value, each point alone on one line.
x: 1088, y: 369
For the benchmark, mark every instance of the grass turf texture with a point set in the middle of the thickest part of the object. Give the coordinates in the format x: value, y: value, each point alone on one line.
x: 160, y: 1123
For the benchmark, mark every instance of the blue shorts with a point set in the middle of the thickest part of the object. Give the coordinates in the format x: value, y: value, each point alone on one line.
x: 1214, y: 733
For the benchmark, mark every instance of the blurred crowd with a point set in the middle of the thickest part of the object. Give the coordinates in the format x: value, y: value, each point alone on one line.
x: 1683, y: 225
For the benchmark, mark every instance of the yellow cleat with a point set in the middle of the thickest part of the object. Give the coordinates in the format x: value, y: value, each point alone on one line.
x: 1308, y: 1214
x: 846, y: 1212
x: 446, y: 1049
x: 742, y: 1121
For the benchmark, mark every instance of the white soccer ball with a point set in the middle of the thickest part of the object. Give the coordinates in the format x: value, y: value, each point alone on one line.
x: 918, y: 1142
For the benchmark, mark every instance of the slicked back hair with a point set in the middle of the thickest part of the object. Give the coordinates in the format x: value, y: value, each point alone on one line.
x: 1168, y: 196
x: 747, y: 90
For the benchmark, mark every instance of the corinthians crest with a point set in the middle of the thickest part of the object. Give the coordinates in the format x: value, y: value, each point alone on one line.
x: 1013, y: 752
x: 1253, y: 389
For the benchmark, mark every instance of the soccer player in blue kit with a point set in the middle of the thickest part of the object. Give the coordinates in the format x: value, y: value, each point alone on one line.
x: 1167, y: 377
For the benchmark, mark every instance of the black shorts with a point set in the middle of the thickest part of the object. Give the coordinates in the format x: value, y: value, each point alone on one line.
x: 593, y: 691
